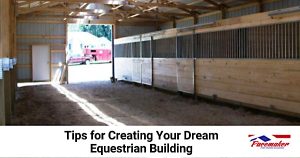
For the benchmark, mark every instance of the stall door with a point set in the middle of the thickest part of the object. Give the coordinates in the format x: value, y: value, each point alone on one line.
x: 41, y: 63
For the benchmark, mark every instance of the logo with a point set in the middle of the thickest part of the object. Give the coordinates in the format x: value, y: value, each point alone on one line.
x: 275, y: 141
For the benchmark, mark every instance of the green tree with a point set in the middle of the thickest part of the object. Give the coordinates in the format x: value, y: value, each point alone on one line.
x: 98, y: 30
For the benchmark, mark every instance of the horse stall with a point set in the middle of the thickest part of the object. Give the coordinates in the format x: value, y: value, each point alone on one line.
x: 251, y: 61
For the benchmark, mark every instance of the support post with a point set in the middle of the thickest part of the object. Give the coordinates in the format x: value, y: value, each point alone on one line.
x: 152, y: 62
x: 174, y: 24
x: 113, y: 78
x: 194, y: 63
x: 5, y: 50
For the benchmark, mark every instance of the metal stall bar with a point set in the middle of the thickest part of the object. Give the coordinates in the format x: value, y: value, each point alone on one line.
x: 113, y: 78
x: 251, y: 42
x: 141, y: 61
x: 263, y: 41
x: 194, y: 43
x: 281, y: 41
x: 270, y: 37
x: 297, y: 39
x: 152, y: 61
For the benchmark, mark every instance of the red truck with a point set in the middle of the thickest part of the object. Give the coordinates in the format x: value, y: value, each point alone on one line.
x: 80, y: 59
x: 89, y: 55
x: 98, y: 54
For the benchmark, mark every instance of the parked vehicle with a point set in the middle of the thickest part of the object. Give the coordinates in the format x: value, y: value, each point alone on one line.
x: 86, y: 59
x: 98, y: 54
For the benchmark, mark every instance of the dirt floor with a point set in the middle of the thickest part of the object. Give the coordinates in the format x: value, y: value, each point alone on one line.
x: 128, y: 104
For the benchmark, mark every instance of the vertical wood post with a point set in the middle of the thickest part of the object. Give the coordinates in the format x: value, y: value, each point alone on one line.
x: 5, y: 49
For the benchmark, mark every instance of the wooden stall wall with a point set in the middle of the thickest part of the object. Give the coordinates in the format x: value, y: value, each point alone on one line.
x: 133, y: 60
x: 237, y: 60
x: 146, y: 54
x: 124, y: 59
x: 165, y: 74
x: 146, y: 71
x: 272, y: 84
x: 185, y: 62
x: 185, y: 75
x: 123, y: 69
x: 164, y: 63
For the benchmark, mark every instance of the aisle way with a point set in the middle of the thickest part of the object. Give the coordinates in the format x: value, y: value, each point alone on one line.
x: 103, y: 103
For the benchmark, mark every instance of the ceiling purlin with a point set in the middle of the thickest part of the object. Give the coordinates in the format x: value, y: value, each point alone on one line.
x: 192, y: 12
x: 136, y: 8
x: 38, y: 8
x: 219, y: 5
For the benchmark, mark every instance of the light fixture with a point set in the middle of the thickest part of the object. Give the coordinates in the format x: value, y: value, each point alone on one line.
x: 98, y: 11
x: 89, y: 17
x: 117, y: 2
x: 98, y: 8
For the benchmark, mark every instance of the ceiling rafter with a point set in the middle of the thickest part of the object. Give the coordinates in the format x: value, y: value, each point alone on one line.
x: 38, y: 8
x: 124, y: 10
x: 219, y: 5
x: 137, y: 3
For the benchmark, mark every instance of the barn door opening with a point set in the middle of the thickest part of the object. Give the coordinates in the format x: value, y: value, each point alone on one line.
x: 41, y: 63
x: 89, y: 53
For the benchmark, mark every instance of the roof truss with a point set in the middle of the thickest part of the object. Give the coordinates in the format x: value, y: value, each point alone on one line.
x: 118, y: 10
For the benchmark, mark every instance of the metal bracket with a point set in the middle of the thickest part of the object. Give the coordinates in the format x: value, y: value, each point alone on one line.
x: 5, y: 64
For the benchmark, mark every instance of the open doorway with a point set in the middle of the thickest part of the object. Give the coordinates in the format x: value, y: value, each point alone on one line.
x: 89, y: 52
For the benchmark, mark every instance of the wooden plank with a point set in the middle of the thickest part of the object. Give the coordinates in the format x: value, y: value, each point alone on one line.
x: 185, y: 75
x: 41, y: 36
x: 58, y: 51
x: 136, y: 70
x: 42, y: 21
x: 267, y: 83
x: 146, y: 71
x: 51, y: 44
x: 123, y: 72
x: 24, y: 65
x: 165, y: 73
x: 244, y: 99
x: 63, y: 74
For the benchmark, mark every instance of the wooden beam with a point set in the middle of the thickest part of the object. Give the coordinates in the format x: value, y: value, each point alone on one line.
x: 43, y: 6
x: 42, y: 21
x: 133, y: 3
x: 91, y: 12
x: 220, y: 6
x: 80, y: 1
x: 40, y: 36
x: 174, y: 22
x: 260, y: 6
x: 5, y: 51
